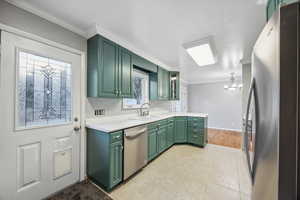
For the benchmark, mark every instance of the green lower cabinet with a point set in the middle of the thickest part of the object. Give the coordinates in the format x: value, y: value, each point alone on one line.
x: 152, y: 144
x: 195, y: 136
x: 170, y: 134
x: 197, y: 131
x: 105, y: 150
x: 105, y: 158
x: 116, y: 166
x: 162, y: 139
x: 180, y: 130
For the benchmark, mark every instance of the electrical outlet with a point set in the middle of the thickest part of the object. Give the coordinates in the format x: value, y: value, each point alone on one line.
x: 99, y: 112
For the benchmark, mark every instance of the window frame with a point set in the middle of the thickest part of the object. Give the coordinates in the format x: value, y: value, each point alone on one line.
x: 144, y: 75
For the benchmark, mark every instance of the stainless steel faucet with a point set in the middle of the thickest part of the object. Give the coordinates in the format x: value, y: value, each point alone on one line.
x: 144, y: 113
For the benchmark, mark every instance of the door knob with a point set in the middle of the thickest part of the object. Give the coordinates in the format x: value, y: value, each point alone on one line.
x: 76, y: 128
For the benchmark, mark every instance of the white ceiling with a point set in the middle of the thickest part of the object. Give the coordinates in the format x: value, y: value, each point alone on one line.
x: 161, y: 27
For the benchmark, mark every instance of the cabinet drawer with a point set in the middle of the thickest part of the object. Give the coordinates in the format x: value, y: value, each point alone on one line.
x: 196, y: 130
x: 116, y: 136
x: 162, y: 122
x: 196, y: 119
x: 171, y: 120
x: 152, y: 126
x: 180, y: 118
x: 195, y: 139
x: 196, y: 122
x: 152, y: 131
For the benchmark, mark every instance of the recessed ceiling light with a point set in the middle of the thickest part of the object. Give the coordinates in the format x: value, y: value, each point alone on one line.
x: 202, y: 51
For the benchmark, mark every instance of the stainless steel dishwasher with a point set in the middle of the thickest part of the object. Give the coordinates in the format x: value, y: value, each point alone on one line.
x: 135, y: 150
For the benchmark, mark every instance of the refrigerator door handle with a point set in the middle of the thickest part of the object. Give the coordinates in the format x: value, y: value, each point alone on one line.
x: 246, y: 146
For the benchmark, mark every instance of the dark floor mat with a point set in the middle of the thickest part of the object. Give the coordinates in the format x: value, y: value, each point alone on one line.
x: 80, y: 191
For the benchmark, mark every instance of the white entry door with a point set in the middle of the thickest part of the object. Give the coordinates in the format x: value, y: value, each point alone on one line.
x: 39, y: 118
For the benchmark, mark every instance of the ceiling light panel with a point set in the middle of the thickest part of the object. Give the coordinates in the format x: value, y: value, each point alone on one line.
x: 202, y: 51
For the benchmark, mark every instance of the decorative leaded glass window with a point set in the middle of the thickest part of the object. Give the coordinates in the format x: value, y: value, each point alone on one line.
x: 43, y: 91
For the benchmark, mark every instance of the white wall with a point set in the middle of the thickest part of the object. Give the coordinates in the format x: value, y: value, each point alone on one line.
x: 15, y: 17
x: 246, y: 74
x: 224, y: 108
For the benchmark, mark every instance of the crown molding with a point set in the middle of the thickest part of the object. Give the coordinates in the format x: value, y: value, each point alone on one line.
x: 96, y: 29
x: 25, y: 6
x: 89, y: 33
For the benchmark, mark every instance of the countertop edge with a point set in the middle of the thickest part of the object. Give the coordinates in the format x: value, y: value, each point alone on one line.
x: 100, y: 127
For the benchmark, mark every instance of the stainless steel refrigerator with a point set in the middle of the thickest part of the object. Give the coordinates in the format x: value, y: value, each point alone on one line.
x: 271, y: 132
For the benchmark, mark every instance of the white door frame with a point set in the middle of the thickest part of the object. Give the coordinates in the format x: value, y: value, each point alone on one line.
x: 82, y: 54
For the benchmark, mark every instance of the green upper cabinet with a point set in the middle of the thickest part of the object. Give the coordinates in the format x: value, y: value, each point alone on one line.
x: 153, y: 93
x: 273, y: 5
x: 271, y: 8
x: 125, y: 73
x: 180, y: 130
x: 144, y: 64
x: 163, y: 84
x: 174, y: 84
x: 109, y: 71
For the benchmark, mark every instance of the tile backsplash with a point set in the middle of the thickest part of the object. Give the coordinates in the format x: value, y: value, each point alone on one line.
x: 114, y: 107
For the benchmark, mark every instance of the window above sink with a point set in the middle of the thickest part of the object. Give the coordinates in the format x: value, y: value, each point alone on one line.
x: 140, y: 90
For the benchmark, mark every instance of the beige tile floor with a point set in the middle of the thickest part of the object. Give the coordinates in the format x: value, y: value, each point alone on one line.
x: 190, y: 173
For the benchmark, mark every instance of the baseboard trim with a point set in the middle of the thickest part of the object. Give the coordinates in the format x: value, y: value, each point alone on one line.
x: 226, y: 129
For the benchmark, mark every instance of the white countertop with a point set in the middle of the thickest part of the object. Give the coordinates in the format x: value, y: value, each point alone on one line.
x: 115, y: 123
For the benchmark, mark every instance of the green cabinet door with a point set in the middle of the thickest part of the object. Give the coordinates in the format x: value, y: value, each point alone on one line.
x: 180, y: 130
x: 108, y: 74
x: 116, y: 159
x: 166, y: 84
x: 174, y: 86
x: 271, y: 8
x: 125, y: 73
x: 153, y: 86
x: 197, y: 130
x: 160, y: 83
x: 152, y: 144
x: 162, y: 139
x: 109, y: 69
x: 170, y: 134
x: 104, y: 158
x: 195, y: 136
x: 102, y: 69
x: 163, y: 84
